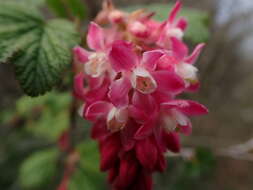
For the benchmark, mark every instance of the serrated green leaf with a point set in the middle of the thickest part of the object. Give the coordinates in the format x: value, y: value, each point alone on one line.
x: 38, y: 169
x: 88, y: 175
x: 39, y: 50
x: 197, y: 31
x: 35, y: 3
x: 65, y: 7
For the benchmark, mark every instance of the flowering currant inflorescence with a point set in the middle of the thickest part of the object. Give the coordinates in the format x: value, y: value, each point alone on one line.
x: 129, y: 83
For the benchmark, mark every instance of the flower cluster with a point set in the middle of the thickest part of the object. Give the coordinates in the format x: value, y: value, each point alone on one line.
x: 129, y: 83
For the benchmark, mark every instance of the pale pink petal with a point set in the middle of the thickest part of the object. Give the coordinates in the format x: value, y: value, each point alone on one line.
x: 174, y: 11
x: 122, y: 56
x: 118, y: 92
x: 98, y: 110
x: 95, y: 37
x: 80, y: 55
x: 169, y: 82
x: 182, y: 24
x: 195, y: 54
x: 150, y: 58
x: 139, y: 29
x: 179, y: 49
x: 188, y: 107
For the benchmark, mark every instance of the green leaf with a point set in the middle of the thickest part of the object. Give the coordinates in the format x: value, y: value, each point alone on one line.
x: 39, y: 50
x: 36, y: 3
x: 38, y: 169
x: 63, y: 8
x: 88, y: 175
x: 197, y: 31
x: 45, y: 116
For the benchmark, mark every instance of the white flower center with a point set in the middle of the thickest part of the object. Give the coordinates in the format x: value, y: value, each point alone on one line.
x: 143, y: 81
x: 187, y: 71
x: 175, y: 32
x: 96, y: 64
x: 117, y: 119
x: 175, y: 118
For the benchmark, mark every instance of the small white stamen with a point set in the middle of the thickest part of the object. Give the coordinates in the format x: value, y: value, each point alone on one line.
x: 96, y: 65
x: 143, y: 81
x: 175, y: 32
x: 187, y: 71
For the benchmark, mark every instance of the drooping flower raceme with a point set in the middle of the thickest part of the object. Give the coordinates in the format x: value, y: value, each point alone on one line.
x: 129, y: 82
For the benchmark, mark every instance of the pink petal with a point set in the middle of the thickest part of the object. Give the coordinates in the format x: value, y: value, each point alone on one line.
x: 112, y: 174
x: 127, y: 135
x: 145, y: 130
x: 127, y: 171
x: 146, y: 153
x: 167, y: 62
x: 98, y: 110
x: 118, y: 92
x: 97, y: 94
x: 95, y: 82
x: 161, y: 97
x: 99, y: 130
x: 172, y: 141
x: 79, y: 89
x: 161, y: 163
x: 182, y: 24
x: 169, y: 82
x: 187, y: 129
x: 174, y: 11
x: 95, y: 37
x: 179, y: 48
x: 188, y: 107
x: 138, y: 114
x: 144, y: 102
x: 193, y: 87
x: 80, y: 55
x: 122, y: 56
x: 109, y: 152
x: 195, y: 54
x: 150, y: 58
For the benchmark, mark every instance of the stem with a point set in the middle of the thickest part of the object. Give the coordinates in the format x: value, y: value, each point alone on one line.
x: 68, y: 10
x: 93, y: 7
x: 73, y: 122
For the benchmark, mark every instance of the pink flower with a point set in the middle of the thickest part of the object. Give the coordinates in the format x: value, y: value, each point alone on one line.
x: 129, y: 86
x: 141, y: 72
x: 95, y: 63
x: 172, y: 27
x: 177, y: 60
x: 176, y: 112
